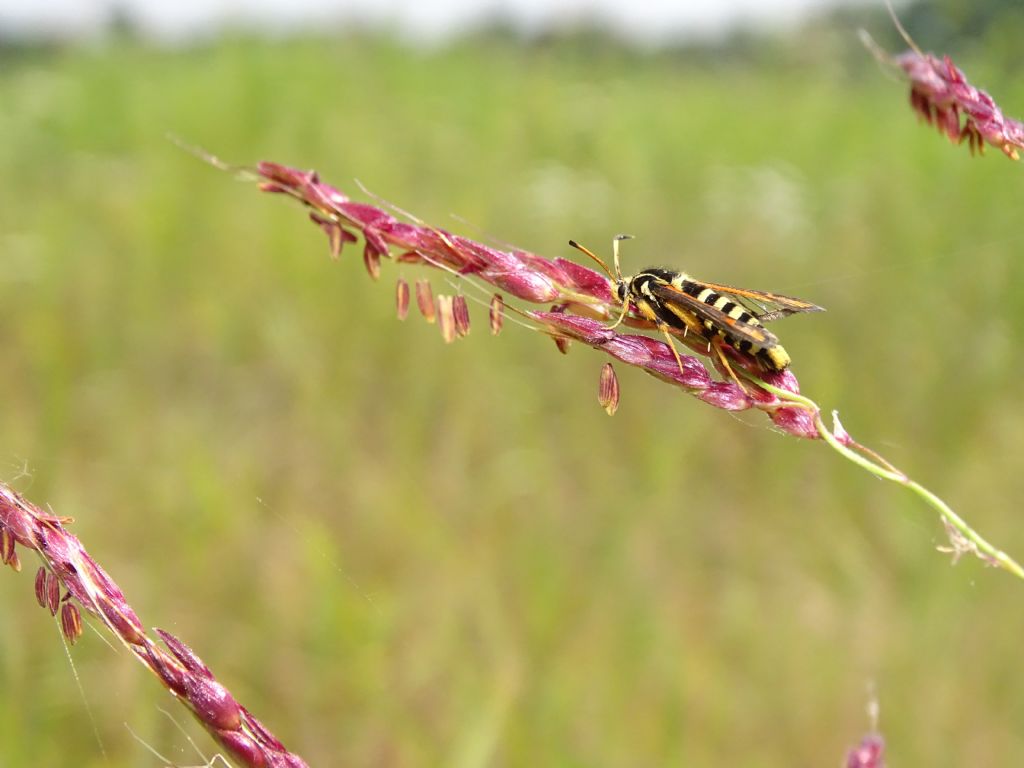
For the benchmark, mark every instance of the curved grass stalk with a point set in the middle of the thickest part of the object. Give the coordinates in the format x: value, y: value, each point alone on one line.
x: 963, y: 538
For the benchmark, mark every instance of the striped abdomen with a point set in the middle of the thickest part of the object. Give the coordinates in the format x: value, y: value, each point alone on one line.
x: 746, y: 334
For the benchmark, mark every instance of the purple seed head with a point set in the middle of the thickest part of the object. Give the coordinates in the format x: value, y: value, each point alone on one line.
x: 88, y: 587
x: 583, y: 298
x: 942, y: 96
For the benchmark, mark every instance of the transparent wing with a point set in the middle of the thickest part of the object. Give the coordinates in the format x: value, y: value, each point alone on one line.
x: 763, y: 305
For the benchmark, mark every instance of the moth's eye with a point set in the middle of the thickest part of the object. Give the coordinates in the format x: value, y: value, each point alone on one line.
x: 621, y: 290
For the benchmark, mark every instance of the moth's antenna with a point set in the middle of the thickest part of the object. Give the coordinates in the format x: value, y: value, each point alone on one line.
x: 594, y: 256
x: 615, y: 253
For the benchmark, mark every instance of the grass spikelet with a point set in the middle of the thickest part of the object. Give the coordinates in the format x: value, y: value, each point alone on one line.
x: 7, y: 554
x: 608, y: 389
x: 497, y: 314
x: 446, y: 318
x: 371, y: 258
x: 425, y: 300
x: 402, y: 298
x: 71, y: 622
x: 42, y: 577
x: 460, y: 314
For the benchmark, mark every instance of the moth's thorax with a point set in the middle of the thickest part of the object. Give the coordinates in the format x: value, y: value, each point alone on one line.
x: 665, y: 274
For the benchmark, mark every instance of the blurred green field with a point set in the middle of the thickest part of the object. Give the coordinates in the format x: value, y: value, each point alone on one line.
x: 400, y: 553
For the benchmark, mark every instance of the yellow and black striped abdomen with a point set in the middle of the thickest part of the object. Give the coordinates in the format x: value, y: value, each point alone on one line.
x: 742, y: 331
x: 723, y: 315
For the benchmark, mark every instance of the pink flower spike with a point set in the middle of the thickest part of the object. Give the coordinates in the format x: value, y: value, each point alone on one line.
x: 88, y: 587
x: 941, y: 94
x: 582, y: 297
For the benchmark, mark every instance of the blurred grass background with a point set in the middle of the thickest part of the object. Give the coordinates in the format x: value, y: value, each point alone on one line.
x: 399, y: 553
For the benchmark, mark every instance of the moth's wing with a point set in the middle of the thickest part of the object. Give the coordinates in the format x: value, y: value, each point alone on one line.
x: 676, y: 301
x: 763, y: 305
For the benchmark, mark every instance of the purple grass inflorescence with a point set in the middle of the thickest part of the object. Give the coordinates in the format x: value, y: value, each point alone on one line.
x: 68, y: 567
x: 942, y: 96
x: 940, y: 93
x: 582, y: 298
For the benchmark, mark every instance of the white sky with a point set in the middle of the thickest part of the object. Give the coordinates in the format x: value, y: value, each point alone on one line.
x: 427, y: 19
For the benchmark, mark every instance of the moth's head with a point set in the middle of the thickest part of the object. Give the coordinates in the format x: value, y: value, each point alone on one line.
x: 622, y: 288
